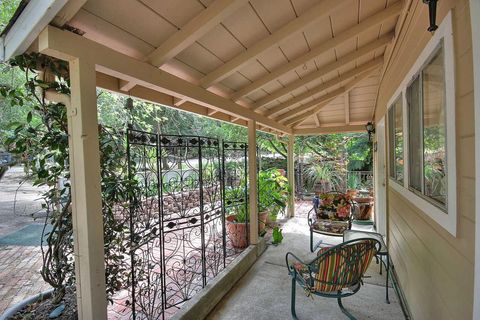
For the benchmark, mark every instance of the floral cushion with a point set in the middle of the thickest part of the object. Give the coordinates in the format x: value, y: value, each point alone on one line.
x: 334, y: 207
x: 330, y: 226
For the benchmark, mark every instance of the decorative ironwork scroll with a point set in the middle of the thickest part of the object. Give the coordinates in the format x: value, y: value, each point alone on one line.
x: 235, y: 195
x: 178, y: 237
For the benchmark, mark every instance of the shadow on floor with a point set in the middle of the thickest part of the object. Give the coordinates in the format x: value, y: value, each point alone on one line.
x: 264, y: 292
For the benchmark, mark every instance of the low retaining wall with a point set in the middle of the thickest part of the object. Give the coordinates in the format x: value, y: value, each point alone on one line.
x: 203, y: 302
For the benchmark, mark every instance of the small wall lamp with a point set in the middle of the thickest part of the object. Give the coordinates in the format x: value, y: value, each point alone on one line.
x: 432, y: 13
x: 370, y: 127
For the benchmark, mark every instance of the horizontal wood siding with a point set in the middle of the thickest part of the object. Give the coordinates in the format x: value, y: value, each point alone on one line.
x: 435, y: 269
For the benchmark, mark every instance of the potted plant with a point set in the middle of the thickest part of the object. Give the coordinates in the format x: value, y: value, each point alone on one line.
x: 237, y: 226
x: 273, y: 193
x: 353, y: 183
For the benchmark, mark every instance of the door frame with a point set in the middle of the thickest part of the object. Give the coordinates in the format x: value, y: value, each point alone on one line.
x: 381, y: 224
x: 475, y: 24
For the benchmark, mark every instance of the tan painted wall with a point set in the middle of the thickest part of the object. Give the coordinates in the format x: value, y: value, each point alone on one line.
x: 435, y: 269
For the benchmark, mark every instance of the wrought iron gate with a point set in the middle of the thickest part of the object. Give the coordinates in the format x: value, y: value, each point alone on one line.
x: 178, y: 235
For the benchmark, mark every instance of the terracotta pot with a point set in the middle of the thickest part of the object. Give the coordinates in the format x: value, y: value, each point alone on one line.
x: 352, y: 193
x: 262, y: 220
x: 237, y: 232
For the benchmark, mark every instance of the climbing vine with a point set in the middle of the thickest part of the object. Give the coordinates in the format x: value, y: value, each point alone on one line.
x: 41, y: 142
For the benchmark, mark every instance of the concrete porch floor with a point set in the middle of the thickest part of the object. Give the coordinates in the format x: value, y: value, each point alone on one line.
x: 264, y: 292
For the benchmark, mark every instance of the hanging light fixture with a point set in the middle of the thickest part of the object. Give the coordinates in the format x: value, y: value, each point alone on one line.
x: 370, y: 127
x: 432, y: 14
x: 129, y: 104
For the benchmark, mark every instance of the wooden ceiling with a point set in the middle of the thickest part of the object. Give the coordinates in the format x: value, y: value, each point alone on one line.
x: 303, y: 63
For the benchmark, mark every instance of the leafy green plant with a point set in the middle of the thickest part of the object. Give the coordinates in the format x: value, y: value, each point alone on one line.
x: 277, y: 235
x: 43, y: 146
x: 273, y: 191
x: 353, y: 181
x: 323, y: 173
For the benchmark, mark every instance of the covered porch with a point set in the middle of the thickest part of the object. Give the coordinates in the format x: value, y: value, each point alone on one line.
x: 289, y: 69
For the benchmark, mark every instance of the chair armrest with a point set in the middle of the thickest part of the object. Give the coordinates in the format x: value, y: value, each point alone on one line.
x: 300, y: 271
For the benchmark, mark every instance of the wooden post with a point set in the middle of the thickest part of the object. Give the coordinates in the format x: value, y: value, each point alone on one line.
x: 86, y: 192
x: 252, y: 180
x: 291, y: 175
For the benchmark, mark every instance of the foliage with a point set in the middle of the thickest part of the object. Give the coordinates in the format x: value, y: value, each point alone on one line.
x: 277, y: 235
x: 353, y: 181
x: 273, y: 191
x: 323, y: 173
x: 42, y: 142
x: 7, y: 9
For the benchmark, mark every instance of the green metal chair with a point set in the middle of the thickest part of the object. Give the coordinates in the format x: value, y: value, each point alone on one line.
x: 326, y: 218
x: 336, y: 272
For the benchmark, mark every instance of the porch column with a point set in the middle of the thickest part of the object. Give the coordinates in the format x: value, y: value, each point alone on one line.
x: 291, y: 175
x: 86, y: 192
x: 252, y: 180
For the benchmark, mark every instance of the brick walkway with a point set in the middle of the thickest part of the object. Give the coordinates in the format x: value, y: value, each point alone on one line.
x: 19, y: 275
x: 20, y: 265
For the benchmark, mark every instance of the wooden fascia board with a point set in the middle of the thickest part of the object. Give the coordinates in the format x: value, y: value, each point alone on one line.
x: 322, y: 10
x: 325, y: 130
x: 33, y: 19
x: 325, y: 86
x: 194, y: 30
x: 69, y: 46
x: 349, y: 58
x: 370, y: 22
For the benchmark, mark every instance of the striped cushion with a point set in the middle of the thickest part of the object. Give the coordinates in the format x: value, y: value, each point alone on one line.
x: 343, y: 266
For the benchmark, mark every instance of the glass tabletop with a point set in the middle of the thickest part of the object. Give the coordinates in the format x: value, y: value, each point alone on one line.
x: 358, y: 234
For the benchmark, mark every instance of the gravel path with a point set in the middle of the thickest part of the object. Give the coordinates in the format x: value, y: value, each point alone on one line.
x: 19, y: 202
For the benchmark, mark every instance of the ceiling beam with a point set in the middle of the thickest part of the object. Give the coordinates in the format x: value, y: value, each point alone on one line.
x: 194, y: 30
x: 347, y: 59
x: 370, y: 22
x: 306, y: 109
x: 126, y: 85
x: 69, y: 46
x: 325, y: 130
x: 325, y: 86
x: 322, y: 10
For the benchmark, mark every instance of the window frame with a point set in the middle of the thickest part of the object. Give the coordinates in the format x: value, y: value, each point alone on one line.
x: 447, y: 218
x: 392, y: 145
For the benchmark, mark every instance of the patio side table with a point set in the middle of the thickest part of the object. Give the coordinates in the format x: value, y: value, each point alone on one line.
x: 383, y: 251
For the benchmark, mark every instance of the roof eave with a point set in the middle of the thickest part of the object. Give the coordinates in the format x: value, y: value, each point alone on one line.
x: 28, y: 21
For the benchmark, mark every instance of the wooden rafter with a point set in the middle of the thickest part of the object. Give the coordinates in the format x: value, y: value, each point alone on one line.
x: 347, y: 59
x: 69, y: 46
x: 305, y: 112
x: 194, y: 30
x: 322, y: 10
x: 68, y: 12
x: 373, y: 21
x: 323, y: 100
x: 325, y: 86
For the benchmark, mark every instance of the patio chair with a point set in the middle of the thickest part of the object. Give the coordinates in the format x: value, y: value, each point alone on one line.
x: 335, y: 273
x: 331, y: 215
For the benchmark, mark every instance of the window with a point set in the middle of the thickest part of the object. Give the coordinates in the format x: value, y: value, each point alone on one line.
x: 427, y: 131
x: 395, y: 125
x: 424, y: 171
